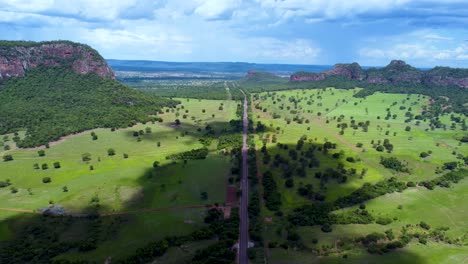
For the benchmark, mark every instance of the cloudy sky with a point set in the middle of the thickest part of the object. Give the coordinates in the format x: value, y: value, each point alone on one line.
x: 424, y: 33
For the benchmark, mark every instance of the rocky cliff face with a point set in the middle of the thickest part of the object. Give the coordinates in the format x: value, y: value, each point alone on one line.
x: 17, y: 57
x: 351, y: 71
x: 396, y: 72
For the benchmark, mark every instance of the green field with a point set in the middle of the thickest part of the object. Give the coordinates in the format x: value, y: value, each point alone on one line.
x: 318, y: 115
x: 128, y: 185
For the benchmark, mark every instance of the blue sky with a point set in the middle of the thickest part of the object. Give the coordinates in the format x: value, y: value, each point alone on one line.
x: 424, y: 33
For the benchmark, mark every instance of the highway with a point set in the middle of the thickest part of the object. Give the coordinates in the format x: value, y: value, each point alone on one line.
x: 244, y: 202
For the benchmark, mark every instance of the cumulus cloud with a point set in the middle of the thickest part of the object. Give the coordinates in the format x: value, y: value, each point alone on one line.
x: 82, y: 9
x: 419, y: 49
x: 274, y: 50
x: 329, y: 9
x: 286, y: 31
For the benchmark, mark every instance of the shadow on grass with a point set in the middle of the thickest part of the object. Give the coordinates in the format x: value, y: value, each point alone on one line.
x: 299, y: 177
x: 281, y: 256
x: 41, y: 239
x: 193, y: 131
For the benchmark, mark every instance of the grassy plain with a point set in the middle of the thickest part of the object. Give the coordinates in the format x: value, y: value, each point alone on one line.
x: 119, y: 184
x: 321, y: 111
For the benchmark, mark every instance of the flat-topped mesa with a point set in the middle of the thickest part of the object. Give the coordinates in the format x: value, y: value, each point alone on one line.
x: 252, y: 73
x: 16, y: 57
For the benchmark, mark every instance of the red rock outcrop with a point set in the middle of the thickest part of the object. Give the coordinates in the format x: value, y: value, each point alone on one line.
x: 17, y: 57
x: 397, y: 72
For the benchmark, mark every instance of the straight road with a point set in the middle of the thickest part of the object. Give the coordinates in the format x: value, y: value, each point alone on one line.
x: 244, y: 203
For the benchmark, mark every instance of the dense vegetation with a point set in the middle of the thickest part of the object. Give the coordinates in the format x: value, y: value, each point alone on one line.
x: 53, y: 102
x: 193, y: 154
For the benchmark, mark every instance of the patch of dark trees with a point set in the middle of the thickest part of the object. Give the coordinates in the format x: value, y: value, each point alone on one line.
x: 193, y: 154
x: 319, y: 213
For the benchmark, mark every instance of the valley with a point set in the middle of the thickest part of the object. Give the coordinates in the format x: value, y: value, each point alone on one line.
x: 343, y: 164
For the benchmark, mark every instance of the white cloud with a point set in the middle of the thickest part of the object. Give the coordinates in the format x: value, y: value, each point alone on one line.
x: 329, y: 9
x: 274, y: 50
x: 416, y: 51
x: 83, y: 9
x: 215, y: 9
x: 436, y: 37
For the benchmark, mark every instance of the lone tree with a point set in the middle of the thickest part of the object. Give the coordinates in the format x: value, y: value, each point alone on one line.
x: 41, y: 153
x: 111, y: 152
x: 46, y: 179
x: 156, y: 164
x: 177, y: 122
x: 57, y: 165
x: 86, y: 157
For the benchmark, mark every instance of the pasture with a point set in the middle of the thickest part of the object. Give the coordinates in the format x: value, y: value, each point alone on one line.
x: 131, y: 182
x: 365, y: 130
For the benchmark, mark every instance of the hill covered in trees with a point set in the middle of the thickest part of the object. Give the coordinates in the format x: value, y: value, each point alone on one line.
x: 55, y: 88
x: 50, y: 102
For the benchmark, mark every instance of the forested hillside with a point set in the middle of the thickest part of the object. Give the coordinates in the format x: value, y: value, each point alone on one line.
x: 50, y: 102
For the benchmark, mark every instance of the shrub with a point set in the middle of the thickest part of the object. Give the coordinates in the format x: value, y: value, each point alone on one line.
x: 57, y: 165
x: 86, y: 157
x: 4, y: 184
x: 326, y: 228
x: 111, y: 152
x: 289, y: 183
x: 383, y: 220
x: 44, y: 166
x: 7, y: 157
x: 46, y: 180
x: 424, y: 225
x: 41, y: 153
x: 423, y: 155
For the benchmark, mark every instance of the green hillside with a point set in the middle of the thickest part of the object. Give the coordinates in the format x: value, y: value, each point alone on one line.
x: 50, y: 102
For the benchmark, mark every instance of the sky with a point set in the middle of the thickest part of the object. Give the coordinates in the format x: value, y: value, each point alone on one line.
x: 424, y: 33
